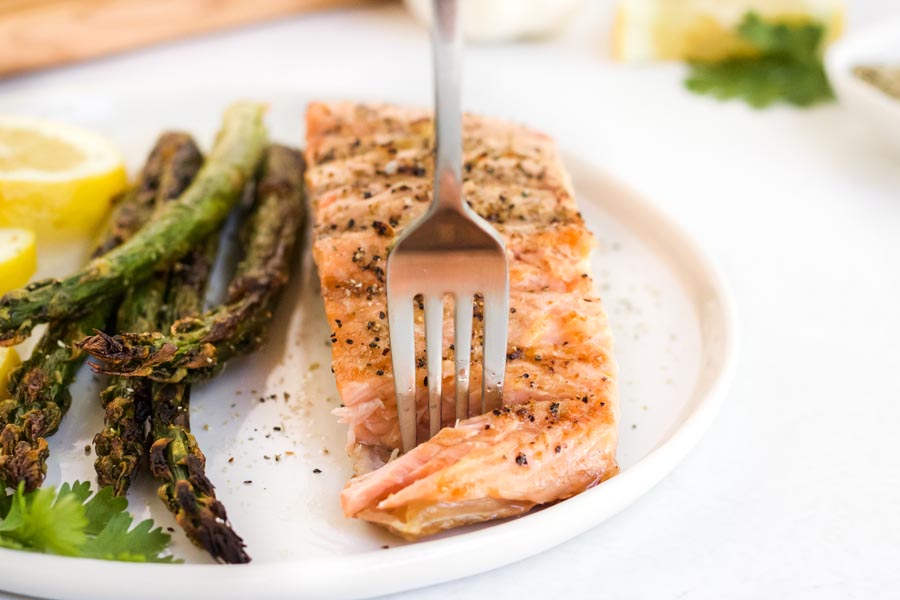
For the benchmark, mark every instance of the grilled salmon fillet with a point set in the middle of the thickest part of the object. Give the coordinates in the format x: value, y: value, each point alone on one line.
x: 370, y: 175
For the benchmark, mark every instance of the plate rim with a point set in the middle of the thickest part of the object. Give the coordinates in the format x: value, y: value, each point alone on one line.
x: 26, y: 573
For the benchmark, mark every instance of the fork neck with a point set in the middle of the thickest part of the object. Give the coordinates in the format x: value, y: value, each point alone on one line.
x: 446, y: 40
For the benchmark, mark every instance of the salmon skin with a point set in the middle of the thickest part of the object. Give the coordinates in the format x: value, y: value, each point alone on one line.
x: 369, y: 176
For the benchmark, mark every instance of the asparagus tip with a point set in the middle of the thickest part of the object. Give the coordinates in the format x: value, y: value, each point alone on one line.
x: 101, y: 343
x: 21, y: 460
x: 123, y: 354
x: 205, y: 521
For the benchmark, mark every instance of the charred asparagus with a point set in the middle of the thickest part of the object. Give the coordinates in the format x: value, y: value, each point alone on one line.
x: 39, y: 387
x: 175, y: 457
x: 196, y: 349
x: 121, y: 444
x: 181, y: 226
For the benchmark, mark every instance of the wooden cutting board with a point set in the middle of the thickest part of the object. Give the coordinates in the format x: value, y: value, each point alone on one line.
x: 41, y: 33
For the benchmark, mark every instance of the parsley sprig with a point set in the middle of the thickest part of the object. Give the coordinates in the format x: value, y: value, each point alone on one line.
x: 787, y: 67
x: 73, y: 522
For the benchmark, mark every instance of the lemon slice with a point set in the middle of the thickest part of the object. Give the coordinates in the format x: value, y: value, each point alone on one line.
x: 55, y: 179
x: 707, y: 29
x: 18, y: 258
x: 9, y: 360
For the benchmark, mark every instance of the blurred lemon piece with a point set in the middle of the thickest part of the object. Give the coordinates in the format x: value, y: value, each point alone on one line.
x: 9, y: 360
x: 55, y: 179
x: 706, y: 30
x: 18, y: 258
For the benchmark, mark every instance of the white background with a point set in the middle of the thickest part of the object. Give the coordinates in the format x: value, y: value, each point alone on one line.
x: 795, y: 492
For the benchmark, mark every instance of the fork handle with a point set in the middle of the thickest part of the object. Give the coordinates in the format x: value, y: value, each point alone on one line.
x: 446, y: 43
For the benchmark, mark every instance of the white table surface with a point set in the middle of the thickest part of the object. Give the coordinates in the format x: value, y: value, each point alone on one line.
x: 795, y: 492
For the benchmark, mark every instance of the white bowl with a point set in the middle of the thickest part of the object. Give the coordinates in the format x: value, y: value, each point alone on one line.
x: 875, y: 45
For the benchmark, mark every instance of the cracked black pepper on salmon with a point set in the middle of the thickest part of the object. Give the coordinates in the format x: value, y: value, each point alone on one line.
x: 371, y: 164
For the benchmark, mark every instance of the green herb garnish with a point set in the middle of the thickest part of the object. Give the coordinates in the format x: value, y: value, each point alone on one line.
x: 72, y: 522
x: 788, y: 66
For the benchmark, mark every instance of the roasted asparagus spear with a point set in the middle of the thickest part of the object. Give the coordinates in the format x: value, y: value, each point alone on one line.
x: 181, y: 226
x: 175, y: 457
x: 39, y: 387
x: 126, y: 401
x: 197, y: 348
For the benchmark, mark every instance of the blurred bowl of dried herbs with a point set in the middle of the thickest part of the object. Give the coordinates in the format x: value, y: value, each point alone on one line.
x: 864, y: 70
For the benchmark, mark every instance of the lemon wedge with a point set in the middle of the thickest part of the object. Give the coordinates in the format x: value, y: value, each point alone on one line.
x: 55, y: 179
x: 9, y: 360
x: 18, y: 258
x: 706, y: 30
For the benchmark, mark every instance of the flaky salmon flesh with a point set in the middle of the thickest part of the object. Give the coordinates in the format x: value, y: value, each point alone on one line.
x: 369, y: 176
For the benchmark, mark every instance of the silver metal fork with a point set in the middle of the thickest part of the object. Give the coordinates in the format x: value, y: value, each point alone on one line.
x: 449, y: 251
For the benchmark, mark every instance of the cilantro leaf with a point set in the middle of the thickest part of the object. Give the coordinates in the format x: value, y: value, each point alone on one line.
x: 142, y: 543
x: 72, y: 522
x: 45, y: 521
x: 761, y: 82
x: 787, y: 67
x: 102, y: 508
x: 798, y: 41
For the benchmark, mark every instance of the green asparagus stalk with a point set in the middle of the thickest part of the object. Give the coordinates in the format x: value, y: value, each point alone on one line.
x: 196, y: 349
x: 41, y: 398
x: 39, y: 387
x: 121, y: 443
x: 175, y: 457
x: 171, y: 166
x: 182, y: 225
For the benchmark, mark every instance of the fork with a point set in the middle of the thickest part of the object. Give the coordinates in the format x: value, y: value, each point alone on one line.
x: 449, y: 251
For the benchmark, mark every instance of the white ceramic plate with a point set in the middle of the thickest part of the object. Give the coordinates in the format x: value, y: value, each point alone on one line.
x: 675, y: 336
x: 879, y: 45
